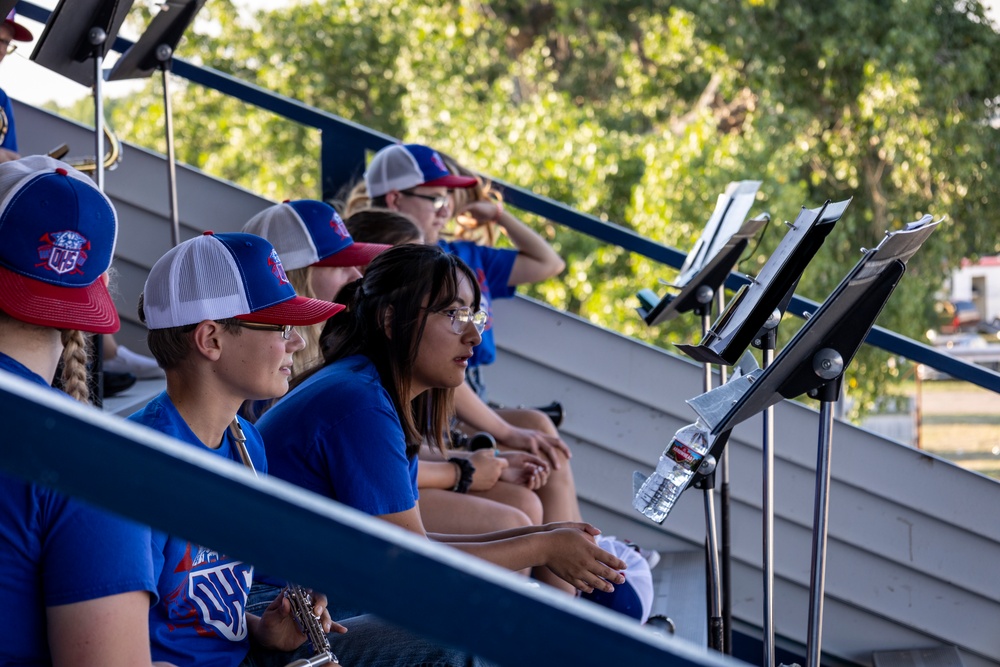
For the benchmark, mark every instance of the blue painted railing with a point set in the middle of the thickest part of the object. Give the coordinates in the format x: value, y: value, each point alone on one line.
x: 344, y: 146
x: 356, y: 559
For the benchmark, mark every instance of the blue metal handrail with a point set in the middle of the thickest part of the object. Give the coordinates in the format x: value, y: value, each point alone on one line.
x: 356, y: 559
x: 344, y: 145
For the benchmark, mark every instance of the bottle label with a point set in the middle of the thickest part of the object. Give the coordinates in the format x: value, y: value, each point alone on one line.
x: 684, y: 456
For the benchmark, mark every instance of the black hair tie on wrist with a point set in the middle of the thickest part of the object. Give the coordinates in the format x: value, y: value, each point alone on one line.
x: 466, y: 470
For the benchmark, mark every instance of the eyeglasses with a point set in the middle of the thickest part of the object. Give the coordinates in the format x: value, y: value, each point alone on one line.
x: 7, y: 47
x: 285, y: 329
x: 461, y: 317
x: 439, y: 201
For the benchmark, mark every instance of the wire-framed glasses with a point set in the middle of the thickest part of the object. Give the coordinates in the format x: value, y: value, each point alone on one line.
x: 462, y: 317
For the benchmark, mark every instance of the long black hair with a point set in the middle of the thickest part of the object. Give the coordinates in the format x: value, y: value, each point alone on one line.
x: 385, y: 318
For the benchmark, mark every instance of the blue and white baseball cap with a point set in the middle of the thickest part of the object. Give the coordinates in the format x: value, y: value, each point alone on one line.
x: 218, y: 276
x: 57, y: 238
x: 307, y: 232
x: 634, y: 597
x: 405, y: 166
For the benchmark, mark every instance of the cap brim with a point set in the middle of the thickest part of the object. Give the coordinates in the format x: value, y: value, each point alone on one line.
x: 88, y: 308
x: 299, y: 311
x: 356, y: 254
x: 452, y: 181
x: 21, y: 34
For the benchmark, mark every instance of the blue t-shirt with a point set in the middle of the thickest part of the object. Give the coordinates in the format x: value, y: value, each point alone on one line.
x: 338, y: 434
x: 201, y: 616
x: 57, y: 550
x: 492, y: 267
x: 10, y: 139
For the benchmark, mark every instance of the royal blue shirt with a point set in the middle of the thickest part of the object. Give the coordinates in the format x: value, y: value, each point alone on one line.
x: 338, y: 434
x: 200, y: 619
x: 492, y: 267
x: 57, y: 550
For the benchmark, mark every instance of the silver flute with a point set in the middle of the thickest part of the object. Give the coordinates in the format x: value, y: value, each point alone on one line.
x: 301, y: 602
x: 298, y: 596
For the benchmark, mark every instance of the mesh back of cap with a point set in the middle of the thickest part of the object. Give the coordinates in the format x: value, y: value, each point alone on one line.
x: 392, y: 168
x: 197, y: 280
x: 281, y: 225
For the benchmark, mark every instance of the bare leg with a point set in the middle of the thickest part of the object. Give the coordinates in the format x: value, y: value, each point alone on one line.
x: 558, y: 496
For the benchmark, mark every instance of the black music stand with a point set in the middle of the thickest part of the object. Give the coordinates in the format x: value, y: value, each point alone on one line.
x: 79, y: 31
x: 752, y: 317
x: 814, y: 362
x: 155, y: 51
x: 755, y: 303
x: 706, y: 267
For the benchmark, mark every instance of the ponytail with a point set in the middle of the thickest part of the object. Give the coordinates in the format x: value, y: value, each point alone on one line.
x: 74, y: 371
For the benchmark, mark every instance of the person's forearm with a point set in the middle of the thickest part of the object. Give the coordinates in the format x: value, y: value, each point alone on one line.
x: 437, y: 475
x: 514, y: 553
x: 447, y: 538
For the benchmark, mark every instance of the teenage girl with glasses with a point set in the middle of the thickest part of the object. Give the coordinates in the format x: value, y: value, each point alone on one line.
x: 351, y: 429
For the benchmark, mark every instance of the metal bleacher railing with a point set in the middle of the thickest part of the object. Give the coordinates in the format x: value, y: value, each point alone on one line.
x: 344, y: 146
x: 286, y: 531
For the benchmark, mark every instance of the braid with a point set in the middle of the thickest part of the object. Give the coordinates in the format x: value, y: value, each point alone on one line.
x: 74, y: 372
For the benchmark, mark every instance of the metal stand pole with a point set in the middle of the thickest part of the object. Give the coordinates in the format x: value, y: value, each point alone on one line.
x: 767, y: 341
x: 725, y: 524
x: 829, y: 365
x: 97, y: 36
x: 163, y: 54
x: 716, y: 628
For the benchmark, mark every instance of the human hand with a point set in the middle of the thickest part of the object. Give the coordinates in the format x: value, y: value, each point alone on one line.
x: 8, y: 155
x: 549, y: 447
x: 525, y: 469
x: 279, y: 630
x: 488, y: 469
x: 572, y: 555
x: 482, y: 211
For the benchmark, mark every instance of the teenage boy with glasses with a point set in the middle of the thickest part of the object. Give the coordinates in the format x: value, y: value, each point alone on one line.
x: 222, y: 319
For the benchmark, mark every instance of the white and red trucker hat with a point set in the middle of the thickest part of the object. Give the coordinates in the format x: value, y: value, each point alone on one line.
x: 405, y: 166
x: 307, y: 232
x: 57, y: 238
x: 218, y: 276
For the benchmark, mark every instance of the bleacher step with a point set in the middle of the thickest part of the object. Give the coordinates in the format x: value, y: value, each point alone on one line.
x: 679, y: 584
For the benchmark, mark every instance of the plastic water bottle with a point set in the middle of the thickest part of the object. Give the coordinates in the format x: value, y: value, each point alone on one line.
x: 674, y: 472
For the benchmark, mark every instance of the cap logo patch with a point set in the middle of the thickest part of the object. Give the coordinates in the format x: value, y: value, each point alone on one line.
x: 276, y: 268
x: 63, y: 252
x: 438, y: 162
x: 338, y: 226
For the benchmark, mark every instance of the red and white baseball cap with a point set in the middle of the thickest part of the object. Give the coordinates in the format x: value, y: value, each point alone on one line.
x: 218, y: 276
x: 405, y: 166
x: 310, y: 233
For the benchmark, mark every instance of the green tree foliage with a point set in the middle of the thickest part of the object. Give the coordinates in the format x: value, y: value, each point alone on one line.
x: 639, y: 113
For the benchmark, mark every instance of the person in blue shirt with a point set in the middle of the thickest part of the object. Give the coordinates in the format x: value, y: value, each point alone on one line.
x: 351, y: 430
x: 223, y: 323
x: 10, y: 31
x: 76, y: 582
x: 416, y: 180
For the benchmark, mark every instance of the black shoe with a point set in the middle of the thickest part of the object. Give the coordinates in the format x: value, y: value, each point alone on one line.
x: 116, y: 383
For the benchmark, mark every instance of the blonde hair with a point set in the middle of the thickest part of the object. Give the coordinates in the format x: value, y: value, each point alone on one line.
x: 468, y: 228
x: 75, y: 378
x: 357, y: 199
x: 311, y: 355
